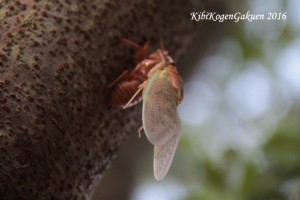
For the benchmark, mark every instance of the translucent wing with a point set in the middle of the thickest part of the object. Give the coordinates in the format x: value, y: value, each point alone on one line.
x: 163, y: 157
x: 160, y: 118
x: 161, y: 122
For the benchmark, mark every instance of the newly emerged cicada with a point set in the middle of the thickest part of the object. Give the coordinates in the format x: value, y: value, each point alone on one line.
x: 161, y: 88
x: 161, y: 96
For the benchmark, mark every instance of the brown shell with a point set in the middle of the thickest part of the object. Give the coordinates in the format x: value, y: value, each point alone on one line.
x: 127, y: 86
x: 123, y: 92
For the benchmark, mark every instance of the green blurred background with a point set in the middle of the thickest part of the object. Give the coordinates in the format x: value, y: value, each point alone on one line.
x: 240, y: 118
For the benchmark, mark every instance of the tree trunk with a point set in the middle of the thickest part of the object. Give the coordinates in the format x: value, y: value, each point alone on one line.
x: 57, y: 132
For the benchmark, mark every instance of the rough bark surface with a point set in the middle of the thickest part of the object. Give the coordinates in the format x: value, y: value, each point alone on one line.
x: 57, y: 133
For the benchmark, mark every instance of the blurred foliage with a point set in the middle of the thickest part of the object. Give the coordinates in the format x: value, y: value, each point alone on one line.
x: 278, y: 177
x: 273, y: 170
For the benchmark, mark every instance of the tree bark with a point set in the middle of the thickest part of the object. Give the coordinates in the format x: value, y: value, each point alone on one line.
x: 57, y: 132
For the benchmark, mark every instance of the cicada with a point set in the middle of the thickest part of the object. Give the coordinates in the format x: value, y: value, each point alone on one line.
x: 161, y: 96
x: 125, y: 86
x: 161, y: 88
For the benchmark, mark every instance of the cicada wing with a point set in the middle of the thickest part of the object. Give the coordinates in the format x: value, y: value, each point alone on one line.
x: 163, y: 157
x: 160, y: 118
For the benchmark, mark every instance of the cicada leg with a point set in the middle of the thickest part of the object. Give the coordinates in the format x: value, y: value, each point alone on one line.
x: 118, y: 79
x: 141, y: 50
x: 140, y: 130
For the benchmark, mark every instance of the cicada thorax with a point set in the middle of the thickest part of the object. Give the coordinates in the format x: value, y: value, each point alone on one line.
x: 155, y: 61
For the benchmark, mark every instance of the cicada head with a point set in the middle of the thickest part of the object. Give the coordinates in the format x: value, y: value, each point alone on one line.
x: 162, y: 56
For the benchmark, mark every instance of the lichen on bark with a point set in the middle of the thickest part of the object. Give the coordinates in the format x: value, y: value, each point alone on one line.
x: 57, y: 133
